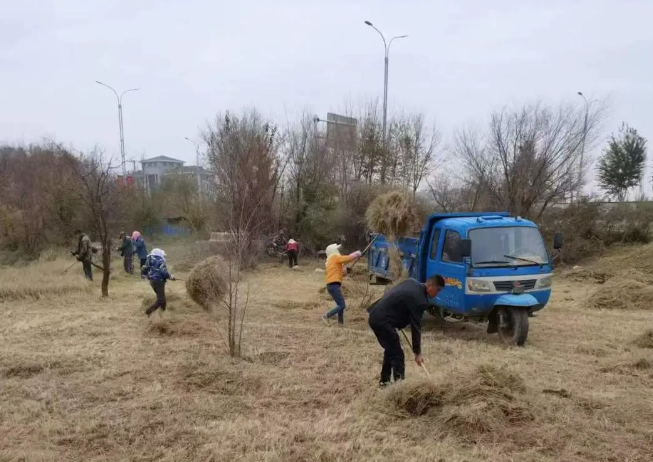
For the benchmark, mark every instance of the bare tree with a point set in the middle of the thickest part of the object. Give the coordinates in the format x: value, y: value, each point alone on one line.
x: 450, y: 196
x: 98, y: 192
x: 414, y: 153
x: 529, y: 157
x: 243, y: 153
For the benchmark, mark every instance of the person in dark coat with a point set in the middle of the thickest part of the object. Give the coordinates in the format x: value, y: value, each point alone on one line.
x: 84, y: 253
x: 401, y: 306
x: 127, y: 252
x: 156, y: 271
x: 140, y: 249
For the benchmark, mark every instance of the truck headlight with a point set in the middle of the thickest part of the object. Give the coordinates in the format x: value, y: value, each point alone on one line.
x: 479, y: 285
x: 544, y: 283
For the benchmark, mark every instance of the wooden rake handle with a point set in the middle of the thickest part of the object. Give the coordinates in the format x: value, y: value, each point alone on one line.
x: 422, y: 365
x: 364, y: 251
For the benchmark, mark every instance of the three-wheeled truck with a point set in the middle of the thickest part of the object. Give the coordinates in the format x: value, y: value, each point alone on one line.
x: 493, y: 265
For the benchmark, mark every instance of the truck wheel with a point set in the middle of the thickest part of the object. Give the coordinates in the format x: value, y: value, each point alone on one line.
x: 513, y: 325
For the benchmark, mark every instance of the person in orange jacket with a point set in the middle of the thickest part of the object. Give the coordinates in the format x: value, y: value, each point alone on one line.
x: 335, y: 272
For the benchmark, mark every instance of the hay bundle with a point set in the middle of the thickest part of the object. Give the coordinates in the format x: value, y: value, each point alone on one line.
x: 207, y: 283
x: 630, y: 291
x: 392, y: 214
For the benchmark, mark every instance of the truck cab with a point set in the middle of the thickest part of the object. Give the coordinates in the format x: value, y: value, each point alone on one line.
x: 496, y: 267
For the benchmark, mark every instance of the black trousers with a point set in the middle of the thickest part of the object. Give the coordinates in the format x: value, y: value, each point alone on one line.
x: 128, y: 264
x: 393, y: 355
x: 88, y: 269
x: 292, y: 258
x: 159, y: 288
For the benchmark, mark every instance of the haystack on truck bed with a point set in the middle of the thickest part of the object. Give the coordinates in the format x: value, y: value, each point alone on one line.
x: 492, y: 263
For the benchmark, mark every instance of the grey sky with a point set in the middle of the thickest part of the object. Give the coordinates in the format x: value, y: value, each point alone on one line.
x: 195, y: 58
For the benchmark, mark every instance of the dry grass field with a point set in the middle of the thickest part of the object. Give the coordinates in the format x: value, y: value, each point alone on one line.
x: 86, y: 379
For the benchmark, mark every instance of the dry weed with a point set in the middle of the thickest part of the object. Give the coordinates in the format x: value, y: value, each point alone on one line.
x: 94, y: 380
x: 645, y: 340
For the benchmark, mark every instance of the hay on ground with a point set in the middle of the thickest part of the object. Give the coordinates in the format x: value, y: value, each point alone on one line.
x: 645, y: 340
x: 171, y: 301
x: 477, y: 401
x: 392, y: 214
x: 207, y: 283
x: 630, y: 291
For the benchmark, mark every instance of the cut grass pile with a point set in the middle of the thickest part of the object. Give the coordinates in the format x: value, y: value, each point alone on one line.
x: 468, y: 402
x: 45, y: 280
x: 630, y: 290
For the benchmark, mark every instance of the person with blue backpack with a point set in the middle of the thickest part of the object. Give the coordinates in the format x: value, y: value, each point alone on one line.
x: 156, y: 271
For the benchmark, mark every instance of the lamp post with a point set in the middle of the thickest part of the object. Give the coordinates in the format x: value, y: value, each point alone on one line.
x: 386, y: 46
x: 122, y: 136
x: 197, y: 160
x: 582, y: 149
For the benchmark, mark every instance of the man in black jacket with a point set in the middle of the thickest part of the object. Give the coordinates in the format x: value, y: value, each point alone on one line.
x: 401, y: 306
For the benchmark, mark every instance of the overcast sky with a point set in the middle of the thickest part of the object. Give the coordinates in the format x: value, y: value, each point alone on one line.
x: 192, y: 59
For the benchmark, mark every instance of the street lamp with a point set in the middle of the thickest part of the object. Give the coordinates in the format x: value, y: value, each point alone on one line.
x: 197, y: 160
x: 582, y: 149
x: 122, y: 136
x: 386, y: 46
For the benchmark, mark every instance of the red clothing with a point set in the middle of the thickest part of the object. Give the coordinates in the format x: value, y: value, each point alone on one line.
x: 293, y: 246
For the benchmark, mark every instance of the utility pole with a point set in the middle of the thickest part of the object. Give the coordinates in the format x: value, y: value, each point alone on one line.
x: 386, y: 47
x: 582, y: 149
x: 199, y: 177
x: 120, y: 125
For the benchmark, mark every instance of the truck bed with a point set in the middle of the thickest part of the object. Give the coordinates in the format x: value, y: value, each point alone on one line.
x: 379, y: 258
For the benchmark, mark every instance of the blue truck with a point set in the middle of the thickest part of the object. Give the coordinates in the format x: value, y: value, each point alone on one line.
x: 496, y: 267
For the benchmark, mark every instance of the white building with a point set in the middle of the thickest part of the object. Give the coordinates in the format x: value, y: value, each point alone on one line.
x: 157, y: 168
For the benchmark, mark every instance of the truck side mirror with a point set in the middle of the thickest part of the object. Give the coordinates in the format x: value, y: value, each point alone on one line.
x: 465, y: 248
x: 557, y: 240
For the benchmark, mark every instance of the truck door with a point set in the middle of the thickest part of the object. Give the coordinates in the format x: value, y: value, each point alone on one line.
x: 451, y: 267
x: 431, y: 257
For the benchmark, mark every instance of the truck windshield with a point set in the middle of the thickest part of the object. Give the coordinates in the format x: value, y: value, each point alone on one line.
x: 510, y: 246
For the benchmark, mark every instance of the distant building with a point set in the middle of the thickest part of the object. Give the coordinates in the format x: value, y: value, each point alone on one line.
x: 156, y: 169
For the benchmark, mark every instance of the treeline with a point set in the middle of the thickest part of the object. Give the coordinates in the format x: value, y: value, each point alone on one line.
x: 317, y: 182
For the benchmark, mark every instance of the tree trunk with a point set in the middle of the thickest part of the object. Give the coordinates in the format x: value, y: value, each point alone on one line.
x: 106, y: 264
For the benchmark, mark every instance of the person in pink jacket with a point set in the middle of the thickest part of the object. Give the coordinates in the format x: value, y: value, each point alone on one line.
x: 292, y: 249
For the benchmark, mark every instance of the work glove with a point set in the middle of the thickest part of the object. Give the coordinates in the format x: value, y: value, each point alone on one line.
x: 172, y: 278
x: 356, y: 254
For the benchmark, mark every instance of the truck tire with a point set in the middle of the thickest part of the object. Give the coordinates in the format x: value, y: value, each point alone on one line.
x: 513, y: 325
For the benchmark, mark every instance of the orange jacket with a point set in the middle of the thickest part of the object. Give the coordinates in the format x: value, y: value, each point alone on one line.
x: 335, y: 270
